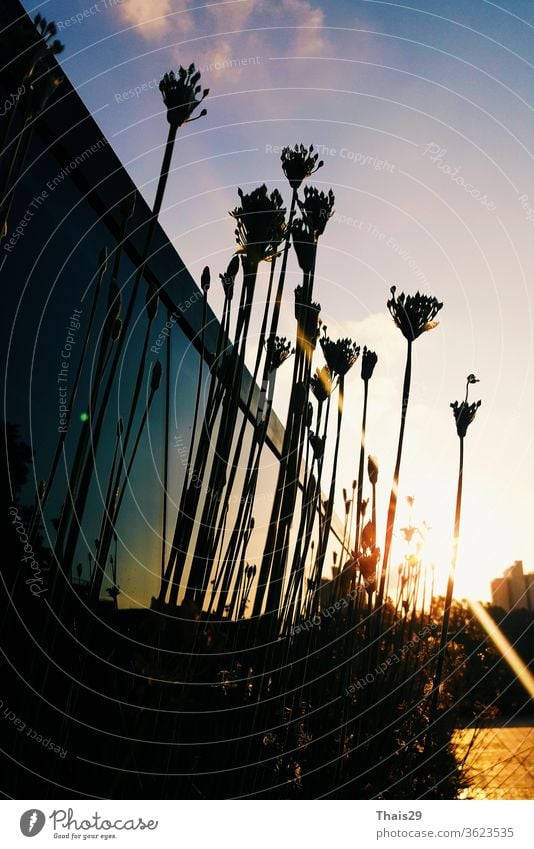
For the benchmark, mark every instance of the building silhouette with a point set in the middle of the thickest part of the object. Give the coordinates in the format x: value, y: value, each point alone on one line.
x: 515, y: 590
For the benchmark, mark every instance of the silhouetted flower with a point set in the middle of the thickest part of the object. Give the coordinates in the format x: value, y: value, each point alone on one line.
x: 156, y: 376
x: 24, y: 47
x: 228, y: 278
x: 317, y: 207
x: 340, y: 355
x: 298, y: 163
x: 281, y: 351
x: 205, y: 280
x: 372, y: 470
x: 413, y: 314
x: 368, y: 540
x: 321, y: 384
x: 307, y: 315
x: 367, y: 563
x: 408, y: 533
x: 180, y: 95
x: 116, y: 329
x: 464, y: 413
x: 304, y: 243
x: 260, y: 223
x: 369, y: 361
x: 317, y: 444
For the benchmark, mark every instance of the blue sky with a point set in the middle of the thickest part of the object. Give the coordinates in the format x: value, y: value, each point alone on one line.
x: 423, y: 113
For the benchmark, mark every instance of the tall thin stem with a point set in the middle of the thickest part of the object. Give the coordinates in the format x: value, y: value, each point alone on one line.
x: 166, y: 449
x: 450, y: 590
x: 360, y: 468
x: 392, y: 509
x: 74, y: 393
x: 199, y: 386
x: 330, y: 508
x: 83, y: 489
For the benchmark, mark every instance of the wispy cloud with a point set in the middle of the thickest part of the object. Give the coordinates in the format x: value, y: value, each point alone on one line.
x: 303, y: 33
x: 154, y: 18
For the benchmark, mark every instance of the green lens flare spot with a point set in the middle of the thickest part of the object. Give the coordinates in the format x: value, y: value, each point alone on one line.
x: 84, y: 417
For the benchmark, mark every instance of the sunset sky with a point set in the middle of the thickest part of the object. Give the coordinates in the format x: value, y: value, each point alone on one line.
x: 422, y: 113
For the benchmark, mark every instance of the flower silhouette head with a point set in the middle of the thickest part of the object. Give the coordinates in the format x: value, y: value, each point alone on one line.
x: 260, y: 223
x: 317, y: 444
x: 340, y: 355
x: 321, y: 384
x: 155, y: 379
x: 298, y: 163
x: 305, y: 245
x: 413, y: 314
x: 228, y: 278
x: 317, y: 207
x: 26, y: 47
x: 369, y: 361
x: 180, y: 95
x: 281, y: 350
x: 367, y: 564
x: 470, y: 379
x: 307, y: 315
x: 205, y: 280
x: 372, y: 470
x: 463, y: 411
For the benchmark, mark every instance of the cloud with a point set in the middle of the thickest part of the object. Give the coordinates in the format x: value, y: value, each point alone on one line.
x: 156, y: 18
x: 232, y: 15
x: 301, y: 22
x: 309, y: 38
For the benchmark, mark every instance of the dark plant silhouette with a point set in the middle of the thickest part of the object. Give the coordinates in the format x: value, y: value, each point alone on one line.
x: 179, y: 92
x: 316, y: 208
x: 340, y: 356
x: 28, y: 64
x: 464, y: 414
x: 413, y: 315
x: 319, y: 691
x: 175, y: 110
